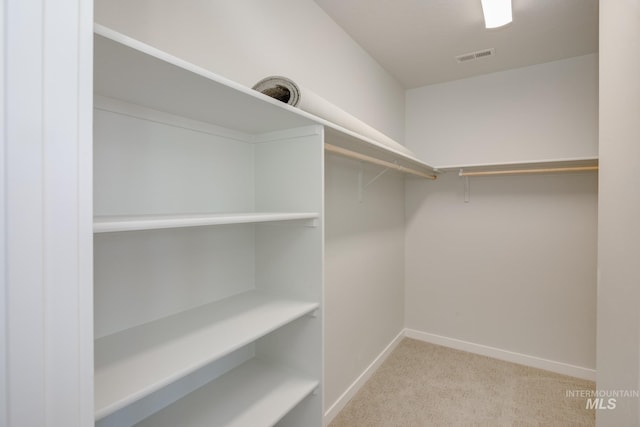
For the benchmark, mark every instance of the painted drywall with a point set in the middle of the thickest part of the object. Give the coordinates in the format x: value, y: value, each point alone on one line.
x: 618, y: 351
x: 248, y: 40
x: 515, y: 268
x: 542, y: 112
x: 251, y: 39
x: 364, y: 269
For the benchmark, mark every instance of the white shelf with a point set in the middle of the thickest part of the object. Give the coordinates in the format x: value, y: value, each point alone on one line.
x: 525, y: 164
x: 136, y: 362
x: 106, y: 224
x: 348, y: 140
x: 133, y: 72
x: 256, y: 393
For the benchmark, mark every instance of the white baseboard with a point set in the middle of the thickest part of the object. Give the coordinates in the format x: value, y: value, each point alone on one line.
x: 351, y: 391
x: 509, y: 356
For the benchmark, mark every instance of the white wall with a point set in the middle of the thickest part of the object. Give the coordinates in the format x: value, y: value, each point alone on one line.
x: 515, y: 268
x: 364, y: 270
x: 4, y: 403
x: 619, y: 210
x: 250, y: 39
x: 541, y: 112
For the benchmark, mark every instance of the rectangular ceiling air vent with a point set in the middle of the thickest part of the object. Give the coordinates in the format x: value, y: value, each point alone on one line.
x: 475, y: 55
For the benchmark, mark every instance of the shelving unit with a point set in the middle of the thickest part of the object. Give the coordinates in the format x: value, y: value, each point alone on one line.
x: 208, y: 244
x: 208, y: 247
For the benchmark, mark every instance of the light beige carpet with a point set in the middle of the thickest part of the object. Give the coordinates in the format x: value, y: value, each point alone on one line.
x: 422, y: 384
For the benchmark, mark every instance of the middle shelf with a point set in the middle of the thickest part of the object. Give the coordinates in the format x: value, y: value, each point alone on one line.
x: 106, y: 224
x: 135, y: 362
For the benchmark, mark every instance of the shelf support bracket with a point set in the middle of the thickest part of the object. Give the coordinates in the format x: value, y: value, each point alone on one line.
x: 362, y: 186
x: 385, y: 170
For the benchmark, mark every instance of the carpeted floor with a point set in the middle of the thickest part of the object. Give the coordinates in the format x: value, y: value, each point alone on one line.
x: 422, y: 384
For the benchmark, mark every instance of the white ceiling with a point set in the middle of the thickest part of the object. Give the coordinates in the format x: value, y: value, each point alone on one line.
x: 417, y: 41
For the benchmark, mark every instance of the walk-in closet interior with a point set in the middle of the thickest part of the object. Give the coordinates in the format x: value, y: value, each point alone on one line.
x: 263, y: 198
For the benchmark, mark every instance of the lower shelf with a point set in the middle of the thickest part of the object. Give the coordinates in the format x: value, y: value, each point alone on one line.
x: 255, y: 394
x: 134, y: 363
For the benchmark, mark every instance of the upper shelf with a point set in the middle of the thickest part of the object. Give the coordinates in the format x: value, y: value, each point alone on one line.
x: 131, y: 71
x: 525, y: 167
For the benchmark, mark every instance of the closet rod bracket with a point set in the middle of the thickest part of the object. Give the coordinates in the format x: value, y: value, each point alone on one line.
x: 467, y: 187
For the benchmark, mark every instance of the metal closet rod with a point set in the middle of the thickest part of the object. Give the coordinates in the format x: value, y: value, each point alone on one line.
x: 530, y: 171
x: 354, y: 155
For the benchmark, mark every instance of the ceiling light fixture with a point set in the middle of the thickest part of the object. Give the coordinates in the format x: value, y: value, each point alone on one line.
x: 496, y: 13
